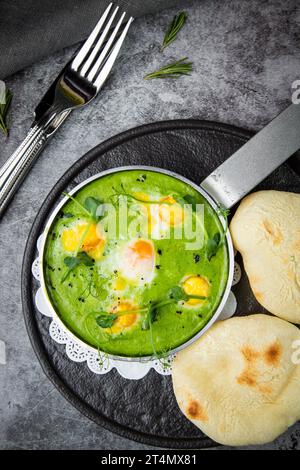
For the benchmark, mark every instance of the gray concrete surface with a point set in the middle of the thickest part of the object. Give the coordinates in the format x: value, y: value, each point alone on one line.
x: 246, y: 56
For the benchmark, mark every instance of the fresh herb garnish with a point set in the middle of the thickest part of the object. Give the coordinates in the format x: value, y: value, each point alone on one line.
x: 90, y: 206
x: 4, y: 107
x: 213, y: 245
x: 217, y: 240
x: 106, y: 320
x: 174, y: 28
x: 187, y: 199
x: 73, y: 261
x: 173, y: 296
x: 172, y: 70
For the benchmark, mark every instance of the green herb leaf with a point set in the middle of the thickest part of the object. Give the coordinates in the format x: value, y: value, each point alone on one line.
x: 92, y: 204
x: 72, y: 261
x: 173, y: 70
x: 215, y: 242
x: 187, y: 199
x: 106, y: 320
x: 212, y: 245
x: 177, y: 293
x: 151, y: 316
x: 174, y: 28
x: 4, y: 107
x: 85, y: 259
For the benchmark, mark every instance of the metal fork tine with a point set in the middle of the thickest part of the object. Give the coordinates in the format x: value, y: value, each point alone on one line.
x: 105, y: 51
x: 80, y: 56
x: 110, y: 60
x: 99, y: 43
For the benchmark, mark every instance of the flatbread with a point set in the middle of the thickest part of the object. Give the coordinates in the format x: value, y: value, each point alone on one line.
x: 266, y: 231
x: 240, y: 382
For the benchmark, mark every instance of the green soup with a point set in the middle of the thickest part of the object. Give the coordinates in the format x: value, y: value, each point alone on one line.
x: 140, y: 286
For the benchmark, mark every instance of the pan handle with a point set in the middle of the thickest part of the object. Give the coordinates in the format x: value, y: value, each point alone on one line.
x: 255, y: 160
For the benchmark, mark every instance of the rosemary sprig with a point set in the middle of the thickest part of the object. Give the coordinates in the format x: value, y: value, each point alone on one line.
x: 4, y: 107
x: 173, y: 70
x: 174, y: 28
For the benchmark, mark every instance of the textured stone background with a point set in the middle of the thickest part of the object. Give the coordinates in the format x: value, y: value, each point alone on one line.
x: 246, y: 55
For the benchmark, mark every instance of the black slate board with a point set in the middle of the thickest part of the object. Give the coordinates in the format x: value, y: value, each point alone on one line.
x: 143, y: 410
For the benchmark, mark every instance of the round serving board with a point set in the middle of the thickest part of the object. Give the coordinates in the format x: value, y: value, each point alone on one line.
x: 143, y: 410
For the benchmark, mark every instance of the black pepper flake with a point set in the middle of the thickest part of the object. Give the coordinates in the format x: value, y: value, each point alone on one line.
x: 179, y: 312
x: 196, y: 258
x: 142, y: 178
x: 70, y: 284
x: 159, y: 251
x: 157, y: 266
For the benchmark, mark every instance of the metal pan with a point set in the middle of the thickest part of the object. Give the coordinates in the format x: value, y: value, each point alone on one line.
x: 226, y: 185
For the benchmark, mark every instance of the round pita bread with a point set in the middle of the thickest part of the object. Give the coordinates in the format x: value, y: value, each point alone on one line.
x: 266, y: 231
x: 240, y: 382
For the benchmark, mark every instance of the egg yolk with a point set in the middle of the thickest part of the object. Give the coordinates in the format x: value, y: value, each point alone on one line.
x: 74, y: 239
x: 126, y: 320
x: 196, y: 285
x: 170, y: 211
x: 119, y: 284
x: 143, y: 249
x: 142, y: 196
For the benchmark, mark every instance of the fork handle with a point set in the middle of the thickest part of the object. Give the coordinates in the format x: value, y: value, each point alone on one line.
x: 17, y: 166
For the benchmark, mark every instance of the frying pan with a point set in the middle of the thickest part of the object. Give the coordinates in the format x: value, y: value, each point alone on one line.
x: 226, y: 185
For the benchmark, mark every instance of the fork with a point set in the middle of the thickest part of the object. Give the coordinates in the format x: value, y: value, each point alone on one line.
x: 77, y: 85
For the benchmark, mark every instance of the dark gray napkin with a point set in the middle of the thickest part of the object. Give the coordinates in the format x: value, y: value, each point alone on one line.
x: 32, y: 29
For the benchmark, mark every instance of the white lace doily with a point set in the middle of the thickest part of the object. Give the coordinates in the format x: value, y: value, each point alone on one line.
x: 101, y: 363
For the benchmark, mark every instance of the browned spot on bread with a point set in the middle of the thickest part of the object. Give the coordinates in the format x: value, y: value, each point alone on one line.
x: 272, y: 354
x: 291, y: 274
x: 296, y: 245
x: 258, y: 295
x: 265, y: 389
x: 249, y: 353
x: 273, y: 232
x: 255, y: 279
x: 195, y: 411
x: 250, y: 375
x: 247, y: 377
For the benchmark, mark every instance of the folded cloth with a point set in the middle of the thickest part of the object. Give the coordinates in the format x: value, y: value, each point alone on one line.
x: 32, y: 29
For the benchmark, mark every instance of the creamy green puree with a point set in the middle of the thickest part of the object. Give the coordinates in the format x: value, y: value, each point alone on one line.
x: 127, y: 272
